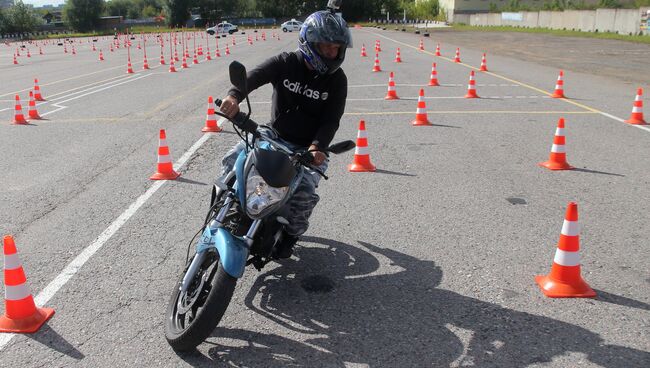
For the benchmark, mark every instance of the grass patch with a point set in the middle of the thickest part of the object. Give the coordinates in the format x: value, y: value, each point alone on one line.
x: 556, y: 32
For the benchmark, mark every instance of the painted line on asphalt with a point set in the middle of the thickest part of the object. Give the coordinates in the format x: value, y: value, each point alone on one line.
x: 426, y: 85
x: 516, y: 81
x: 75, y: 265
x: 61, y: 107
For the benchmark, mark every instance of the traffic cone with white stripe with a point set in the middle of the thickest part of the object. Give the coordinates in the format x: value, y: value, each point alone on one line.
x: 162, y: 56
x: 557, y: 159
x: 363, y: 50
x: 129, y: 68
x: 438, y: 50
x: 172, y: 67
x: 32, y: 112
x: 421, y: 118
x: 101, y: 55
x: 37, y: 91
x: 19, y: 117
x: 227, y: 50
x: 145, y: 64
x: 559, y: 86
x: 637, y: 110
x: 21, y: 314
x: 565, y: 280
x: 361, y: 161
x: 457, y: 58
x: 483, y: 67
x: 211, y: 119
x: 421, y: 47
x: 471, y: 87
x: 376, y: 67
x: 433, y: 80
x: 398, y: 56
x: 392, y: 94
x: 184, y: 65
x: 165, y: 165
x: 15, y: 60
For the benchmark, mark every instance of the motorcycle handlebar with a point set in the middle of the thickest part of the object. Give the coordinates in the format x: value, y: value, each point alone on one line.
x: 241, y: 121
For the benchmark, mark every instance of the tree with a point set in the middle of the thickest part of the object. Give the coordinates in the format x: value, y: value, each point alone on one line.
x: 83, y: 15
x: 178, y: 12
x: 22, y: 18
x: 5, y: 25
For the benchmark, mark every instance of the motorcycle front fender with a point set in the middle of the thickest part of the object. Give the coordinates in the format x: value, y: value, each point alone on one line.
x: 233, y: 251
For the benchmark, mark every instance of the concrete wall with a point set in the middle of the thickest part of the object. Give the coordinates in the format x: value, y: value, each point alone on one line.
x: 627, y: 21
x: 461, y: 18
x: 622, y: 21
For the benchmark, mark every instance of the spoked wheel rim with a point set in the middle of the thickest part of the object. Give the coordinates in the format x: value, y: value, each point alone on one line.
x: 189, y: 303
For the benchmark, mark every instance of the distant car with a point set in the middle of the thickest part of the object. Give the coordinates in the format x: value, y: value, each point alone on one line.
x: 222, y: 28
x: 291, y: 25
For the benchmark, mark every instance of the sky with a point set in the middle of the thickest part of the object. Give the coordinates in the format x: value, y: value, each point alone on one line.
x: 39, y: 3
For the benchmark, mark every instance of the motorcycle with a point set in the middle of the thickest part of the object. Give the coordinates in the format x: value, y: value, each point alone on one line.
x: 243, y: 226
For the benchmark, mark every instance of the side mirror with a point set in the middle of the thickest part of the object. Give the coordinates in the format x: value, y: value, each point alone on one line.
x: 341, y: 147
x: 238, y: 76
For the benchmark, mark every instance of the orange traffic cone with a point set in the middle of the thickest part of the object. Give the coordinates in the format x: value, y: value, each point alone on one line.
x: 208, y: 57
x: 457, y: 58
x: 363, y: 50
x: 637, y: 110
x: 391, y: 95
x: 376, y: 67
x: 195, y: 60
x: 37, y: 91
x: 129, y: 69
x: 421, y: 45
x: 217, y: 53
x: 172, y: 67
x: 28, y: 54
x: 378, y: 46
x: 101, y: 55
x: 559, y: 87
x: 438, y: 50
x: 361, y: 161
x: 21, y: 314
x: 565, y: 280
x: 398, y: 56
x: 433, y: 80
x: 471, y: 87
x: 184, y: 65
x: 165, y: 166
x: 19, y: 118
x: 211, y: 120
x: 227, y: 50
x: 557, y: 159
x: 421, y: 118
x: 15, y: 60
x: 483, y: 67
x: 145, y: 65
x: 33, y: 114
x: 162, y: 57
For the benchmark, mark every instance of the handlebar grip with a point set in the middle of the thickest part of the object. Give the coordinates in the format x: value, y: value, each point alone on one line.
x: 240, y: 120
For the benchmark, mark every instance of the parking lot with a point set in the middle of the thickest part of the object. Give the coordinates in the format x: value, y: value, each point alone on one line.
x: 429, y: 261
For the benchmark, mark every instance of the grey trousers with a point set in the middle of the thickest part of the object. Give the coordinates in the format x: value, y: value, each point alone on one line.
x: 300, y: 206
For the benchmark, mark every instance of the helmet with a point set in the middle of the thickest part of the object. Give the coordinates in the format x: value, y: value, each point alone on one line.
x: 324, y: 26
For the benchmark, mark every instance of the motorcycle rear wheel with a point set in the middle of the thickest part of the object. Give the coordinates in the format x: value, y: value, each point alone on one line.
x: 211, y: 291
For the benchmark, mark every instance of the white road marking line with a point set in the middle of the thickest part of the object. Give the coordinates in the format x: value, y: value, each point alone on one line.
x: 73, y: 267
x: 644, y: 127
x: 426, y: 85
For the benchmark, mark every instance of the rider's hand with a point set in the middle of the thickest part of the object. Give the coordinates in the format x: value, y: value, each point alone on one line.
x: 229, y: 106
x: 319, y: 157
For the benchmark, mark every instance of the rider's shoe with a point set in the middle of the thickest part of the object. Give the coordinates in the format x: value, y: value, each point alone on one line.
x: 285, y: 248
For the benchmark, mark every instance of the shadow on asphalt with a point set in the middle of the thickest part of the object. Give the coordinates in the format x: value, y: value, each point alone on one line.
x: 50, y: 338
x: 189, y: 181
x: 380, y: 171
x: 597, y: 172
x: 398, y: 319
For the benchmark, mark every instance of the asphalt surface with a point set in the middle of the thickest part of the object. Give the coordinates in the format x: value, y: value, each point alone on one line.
x: 430, y: 261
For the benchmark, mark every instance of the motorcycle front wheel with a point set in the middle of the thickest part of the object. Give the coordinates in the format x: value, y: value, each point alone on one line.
x: 192, y: 316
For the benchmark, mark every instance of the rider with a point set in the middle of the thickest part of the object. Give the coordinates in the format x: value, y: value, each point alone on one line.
x: 309, y: 92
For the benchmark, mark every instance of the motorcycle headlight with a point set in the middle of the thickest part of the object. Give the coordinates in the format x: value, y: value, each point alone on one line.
x: 260, y: 195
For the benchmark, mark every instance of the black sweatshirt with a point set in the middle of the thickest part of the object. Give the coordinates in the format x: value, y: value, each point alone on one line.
x: 307, y: 107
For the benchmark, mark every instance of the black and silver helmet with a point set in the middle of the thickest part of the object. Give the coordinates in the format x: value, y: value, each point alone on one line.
x: 324, y: 26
